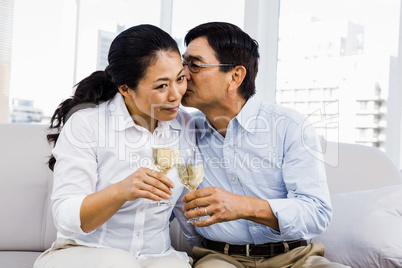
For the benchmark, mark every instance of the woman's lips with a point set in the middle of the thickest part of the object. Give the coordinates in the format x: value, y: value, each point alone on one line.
x: 171, y: 109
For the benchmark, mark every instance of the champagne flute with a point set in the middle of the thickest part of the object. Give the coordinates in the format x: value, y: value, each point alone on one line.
x: 165, y: 154
x: 191, y: 174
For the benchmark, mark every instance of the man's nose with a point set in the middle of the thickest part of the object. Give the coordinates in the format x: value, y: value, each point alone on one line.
x: 187, y: 72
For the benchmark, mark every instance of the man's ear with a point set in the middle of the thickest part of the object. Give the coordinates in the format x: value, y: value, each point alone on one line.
x: 237, y: 77
x: 124, y: 90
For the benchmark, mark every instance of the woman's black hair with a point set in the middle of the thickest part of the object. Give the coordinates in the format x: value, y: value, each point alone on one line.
x: 130, y: 55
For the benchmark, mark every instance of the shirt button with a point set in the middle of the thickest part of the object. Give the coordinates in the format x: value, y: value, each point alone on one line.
x: 234, y: 179
x: 243, y: 130
x: 228, y: 148
x: 255, y: 228
x: 138, y: 233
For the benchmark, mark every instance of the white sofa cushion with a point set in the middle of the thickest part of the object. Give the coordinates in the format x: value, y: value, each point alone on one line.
x: 18, y: 259
x: 25, y: 187
x: 366, y: 230
x: 355, y: 167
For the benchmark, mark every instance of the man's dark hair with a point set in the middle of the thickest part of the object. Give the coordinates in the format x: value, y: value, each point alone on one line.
x: 232, y: 46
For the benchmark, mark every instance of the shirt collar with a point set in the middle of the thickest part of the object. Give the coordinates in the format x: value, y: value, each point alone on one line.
x: 173, y: 124
x: 207, y: 125
x: 203, y: 124
x: 246, y: 117
x: 123, y: 120
x: 248, y: 114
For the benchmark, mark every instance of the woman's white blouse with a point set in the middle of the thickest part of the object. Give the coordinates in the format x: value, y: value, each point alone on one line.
x: 98, y: 147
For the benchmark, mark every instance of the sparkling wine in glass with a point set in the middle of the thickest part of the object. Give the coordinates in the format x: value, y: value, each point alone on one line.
x: 191, y: 174
x: 165, y: 154
x: 165, y: 159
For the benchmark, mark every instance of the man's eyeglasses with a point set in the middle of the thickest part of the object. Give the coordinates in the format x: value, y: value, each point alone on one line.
x: 196, y: 66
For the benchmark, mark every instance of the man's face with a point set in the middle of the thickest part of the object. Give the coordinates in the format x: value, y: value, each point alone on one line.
x: 206, y: 87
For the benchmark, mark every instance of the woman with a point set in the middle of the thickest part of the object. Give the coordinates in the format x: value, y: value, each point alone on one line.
x: 104, y: 178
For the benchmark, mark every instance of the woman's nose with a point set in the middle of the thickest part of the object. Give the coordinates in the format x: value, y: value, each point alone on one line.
x: 176, y: 92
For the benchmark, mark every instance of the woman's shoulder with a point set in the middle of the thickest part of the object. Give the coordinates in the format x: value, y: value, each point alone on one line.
x: 83, y: 110
x: 83, y: 117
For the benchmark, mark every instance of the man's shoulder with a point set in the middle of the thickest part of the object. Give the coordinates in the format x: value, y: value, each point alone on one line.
x: 198, y: 118
x: 279, y: 111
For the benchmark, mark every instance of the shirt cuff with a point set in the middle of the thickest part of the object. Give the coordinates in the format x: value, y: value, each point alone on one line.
x: 194, y: 241
x: 69, y: 220
x: 291, y: 224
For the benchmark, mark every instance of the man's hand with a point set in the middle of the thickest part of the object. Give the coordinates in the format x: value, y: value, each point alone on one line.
x: 220, y: 204
x: 224, y: 206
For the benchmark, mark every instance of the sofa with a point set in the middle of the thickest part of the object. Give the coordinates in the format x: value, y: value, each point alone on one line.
x: 365, y: 187
x: 366, y: 195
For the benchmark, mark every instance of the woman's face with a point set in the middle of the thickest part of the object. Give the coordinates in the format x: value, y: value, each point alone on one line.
x: 159, y: 93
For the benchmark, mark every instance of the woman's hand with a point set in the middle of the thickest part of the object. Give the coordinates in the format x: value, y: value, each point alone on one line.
x: 99, y: 207
x: 146, y: 183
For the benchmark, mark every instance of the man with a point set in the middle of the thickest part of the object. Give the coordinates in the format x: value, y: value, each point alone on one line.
x: 265, y: 193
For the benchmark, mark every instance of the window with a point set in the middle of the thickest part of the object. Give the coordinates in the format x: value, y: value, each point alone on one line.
x: 52, y: 45
x: 341, y: 51
x: 53, y: 48
x: 335, y: 61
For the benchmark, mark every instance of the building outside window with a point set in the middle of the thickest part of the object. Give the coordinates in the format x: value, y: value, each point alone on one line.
x: 334, y: 60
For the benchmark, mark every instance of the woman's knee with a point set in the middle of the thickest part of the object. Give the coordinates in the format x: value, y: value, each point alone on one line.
x: 116, y: 258
x: 165, y: 262
x: 87, y: 257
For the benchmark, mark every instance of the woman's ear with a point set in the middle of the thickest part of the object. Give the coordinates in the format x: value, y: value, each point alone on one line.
x: 124, y: 90
x: 237, y: 77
